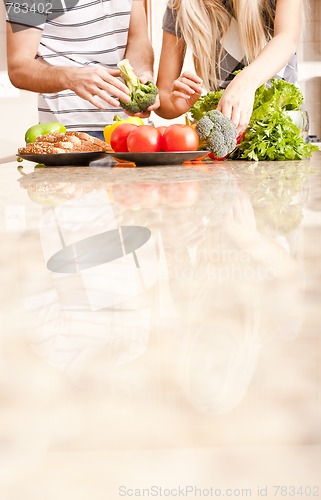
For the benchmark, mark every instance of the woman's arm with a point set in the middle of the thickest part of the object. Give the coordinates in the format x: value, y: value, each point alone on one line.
x: 178, y: 92
x: 237, y: 101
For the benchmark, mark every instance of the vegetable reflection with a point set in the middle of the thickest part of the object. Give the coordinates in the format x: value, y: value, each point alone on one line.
x: 225, y: 275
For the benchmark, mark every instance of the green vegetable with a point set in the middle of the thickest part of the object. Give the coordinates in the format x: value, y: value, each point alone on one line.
x: 204, y: 127
x: 273, y: 138
x: 142, y: 95
x: 271, y: 134
x: 43, y: 129
x: 205, y: 103
x: 278, y: 94
x: 218, y: 132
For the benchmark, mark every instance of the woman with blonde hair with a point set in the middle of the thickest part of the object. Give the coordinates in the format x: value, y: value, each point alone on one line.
x: 223, y: 36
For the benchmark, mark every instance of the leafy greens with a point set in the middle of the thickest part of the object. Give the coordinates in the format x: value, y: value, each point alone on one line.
x: 271, y: 134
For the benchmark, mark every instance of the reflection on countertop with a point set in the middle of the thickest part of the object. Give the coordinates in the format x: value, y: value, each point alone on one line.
x: 147, y: 311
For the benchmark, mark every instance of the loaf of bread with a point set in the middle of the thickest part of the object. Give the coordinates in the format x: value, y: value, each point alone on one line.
x: 69, y: 142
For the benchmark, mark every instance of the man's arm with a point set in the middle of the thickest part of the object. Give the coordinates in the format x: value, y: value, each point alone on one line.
x: 139, y: 49
x: 28, y: 73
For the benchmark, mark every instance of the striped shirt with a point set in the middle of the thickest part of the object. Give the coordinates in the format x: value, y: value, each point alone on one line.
x: 233, y: 56
x: 93, y: 32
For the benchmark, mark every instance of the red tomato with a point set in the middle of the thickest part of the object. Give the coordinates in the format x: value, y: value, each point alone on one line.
x: 179, y: 137
x: 240, y: 137
x: 162, y: 129
x: 144, y: 138
x: 211, y: 155
x: 118, y: 138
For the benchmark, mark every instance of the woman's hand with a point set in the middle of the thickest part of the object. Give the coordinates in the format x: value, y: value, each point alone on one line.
x: 237, y: 102
x: 185, y: 91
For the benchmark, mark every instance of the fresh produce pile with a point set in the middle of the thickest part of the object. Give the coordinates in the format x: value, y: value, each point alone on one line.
x: 271, y: 134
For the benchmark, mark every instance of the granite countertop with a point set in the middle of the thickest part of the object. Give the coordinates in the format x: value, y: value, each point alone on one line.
x: 160, y: 327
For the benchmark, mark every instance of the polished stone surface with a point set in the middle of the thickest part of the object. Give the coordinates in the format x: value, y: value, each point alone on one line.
x: 160, y: 331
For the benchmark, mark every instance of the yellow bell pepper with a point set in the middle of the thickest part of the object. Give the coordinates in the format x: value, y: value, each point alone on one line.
x: 118, y: 121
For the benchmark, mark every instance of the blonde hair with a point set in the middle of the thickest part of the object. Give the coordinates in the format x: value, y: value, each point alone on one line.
x: 203, y: 23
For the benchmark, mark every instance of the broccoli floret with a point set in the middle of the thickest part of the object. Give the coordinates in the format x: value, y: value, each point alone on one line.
x: 216, y: 116
x: 230, y: 134
x: 204, y: 127
x: 142, y: 95
x: 219, y: 133
x: 216, y: 143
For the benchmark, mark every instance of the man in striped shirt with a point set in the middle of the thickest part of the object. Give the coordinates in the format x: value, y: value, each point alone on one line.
x: 69, y: 54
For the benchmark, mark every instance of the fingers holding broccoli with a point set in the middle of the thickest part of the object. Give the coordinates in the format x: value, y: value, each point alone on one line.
x: 218, y: 132
x: 143, y: 95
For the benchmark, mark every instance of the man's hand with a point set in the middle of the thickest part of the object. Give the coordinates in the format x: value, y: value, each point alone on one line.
x: 144, y: 78
x: 97, y: 85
